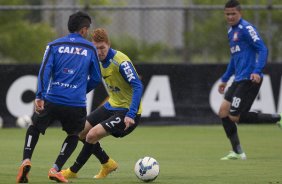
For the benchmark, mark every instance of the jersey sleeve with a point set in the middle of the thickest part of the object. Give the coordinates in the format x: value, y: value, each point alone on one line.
x: 257, y: 43
x: 130, y: 75
x: 95, y: 77
x: 44, y: 75
x: 229, y: 71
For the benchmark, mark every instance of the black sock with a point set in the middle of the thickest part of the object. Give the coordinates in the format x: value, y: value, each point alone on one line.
x: 100, y: 153
x: 31, y: 139
x: 82, y: 158
x: 68, y: 147
x: 231, y: 132
x: 254, y: 117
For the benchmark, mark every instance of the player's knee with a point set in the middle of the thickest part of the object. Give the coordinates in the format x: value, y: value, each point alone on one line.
x: 234, y: 118
x: 224, y: 109
x: 222, y: 113
x: 83, y: 133
x: 92, y: 137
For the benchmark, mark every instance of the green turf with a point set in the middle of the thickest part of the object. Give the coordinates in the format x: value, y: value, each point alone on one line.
x: 186, y: 154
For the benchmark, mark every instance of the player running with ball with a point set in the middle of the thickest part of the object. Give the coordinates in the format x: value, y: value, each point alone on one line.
x: 119, y: 116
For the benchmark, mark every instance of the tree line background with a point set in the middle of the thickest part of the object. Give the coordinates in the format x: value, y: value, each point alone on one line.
x: 181, y: 31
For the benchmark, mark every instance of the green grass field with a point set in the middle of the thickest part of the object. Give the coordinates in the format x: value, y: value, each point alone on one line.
x: 186, y: 154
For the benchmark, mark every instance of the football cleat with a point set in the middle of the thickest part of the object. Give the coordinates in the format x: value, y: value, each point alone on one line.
x: 234, y: 156
x: 56, y: 176
x: 106, y: 169
x: 67, y: 173
x: 24, y: 169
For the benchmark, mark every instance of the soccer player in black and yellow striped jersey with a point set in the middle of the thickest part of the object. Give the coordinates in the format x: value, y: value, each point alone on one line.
x: 119, y: 116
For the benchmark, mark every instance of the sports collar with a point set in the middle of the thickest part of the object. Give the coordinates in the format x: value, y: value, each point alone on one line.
x: 110, y: 56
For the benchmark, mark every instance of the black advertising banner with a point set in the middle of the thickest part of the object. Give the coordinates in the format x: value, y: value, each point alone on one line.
x: 173, y: 94
x: 17, y: 92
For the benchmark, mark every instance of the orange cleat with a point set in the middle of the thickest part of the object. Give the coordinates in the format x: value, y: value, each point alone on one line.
x: 24, y: 169
x: 56, y: 176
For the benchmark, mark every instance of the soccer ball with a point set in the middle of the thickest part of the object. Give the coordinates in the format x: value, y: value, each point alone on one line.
x: 147, y: 169
x: 24, y: 121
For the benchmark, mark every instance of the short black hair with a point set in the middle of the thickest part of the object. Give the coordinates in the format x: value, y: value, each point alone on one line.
x: 233, y: 4
x: 78, y: 20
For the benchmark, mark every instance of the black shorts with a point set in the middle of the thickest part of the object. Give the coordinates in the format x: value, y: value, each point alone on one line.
x: 241, y: 95
x: 71, y: 118
x: 112, y: 121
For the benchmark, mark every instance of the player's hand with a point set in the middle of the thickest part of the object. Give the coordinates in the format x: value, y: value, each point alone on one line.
x: 128, y: 122
x: 39, y: 105
x: 255, y: 78
x: 221, y: 87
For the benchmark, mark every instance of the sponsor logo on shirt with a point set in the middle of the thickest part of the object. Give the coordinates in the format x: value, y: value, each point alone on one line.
x: 113, y: 88
x: 65, y: 85
x: 235, y: 37
x: 72, y: 50
x: 68, y: 71
x: 128, y: 71
x: 235, y: 49
x: 253, y: 33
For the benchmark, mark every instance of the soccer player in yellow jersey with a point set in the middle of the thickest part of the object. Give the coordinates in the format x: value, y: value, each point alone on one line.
x: 119, y: 116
